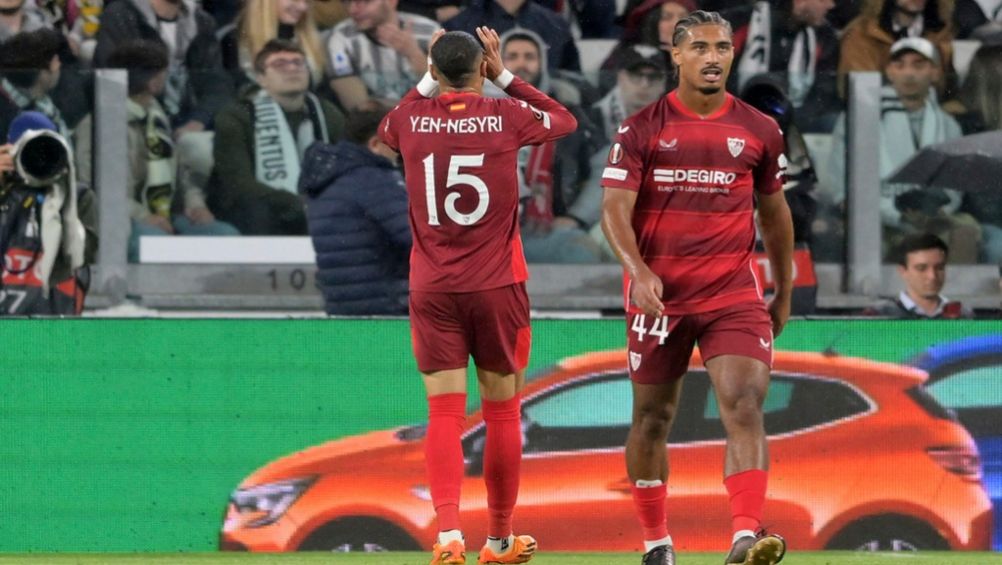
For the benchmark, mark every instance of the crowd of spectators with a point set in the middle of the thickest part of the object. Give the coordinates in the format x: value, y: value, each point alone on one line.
x: 226, y: 96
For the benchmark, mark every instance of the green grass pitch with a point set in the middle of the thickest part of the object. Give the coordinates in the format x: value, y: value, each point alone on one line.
x: 792, y: 558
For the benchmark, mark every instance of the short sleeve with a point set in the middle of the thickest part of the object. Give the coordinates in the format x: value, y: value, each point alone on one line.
x: 339, y: 56
x: 770, y: 173
x: 624, y: 164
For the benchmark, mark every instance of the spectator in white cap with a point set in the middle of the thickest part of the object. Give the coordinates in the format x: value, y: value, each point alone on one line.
x: 911, y: 118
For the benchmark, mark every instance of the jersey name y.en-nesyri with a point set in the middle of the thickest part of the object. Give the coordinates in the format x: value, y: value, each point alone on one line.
x: 460, y: 154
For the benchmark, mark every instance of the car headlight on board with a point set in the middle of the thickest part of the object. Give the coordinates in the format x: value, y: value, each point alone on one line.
x: 270, y: 500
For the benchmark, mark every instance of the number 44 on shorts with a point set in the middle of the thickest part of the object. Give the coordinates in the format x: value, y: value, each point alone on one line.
x: 659, y: 328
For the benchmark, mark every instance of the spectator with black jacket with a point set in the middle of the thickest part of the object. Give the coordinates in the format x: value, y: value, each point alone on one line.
x: 260, y: 142
x: 356, y: 210
x: 195, y: 91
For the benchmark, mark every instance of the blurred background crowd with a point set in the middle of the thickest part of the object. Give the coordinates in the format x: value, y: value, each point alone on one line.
x: 258, y: 117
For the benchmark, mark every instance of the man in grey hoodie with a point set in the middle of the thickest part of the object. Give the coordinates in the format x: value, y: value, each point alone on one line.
x: 557, y: 210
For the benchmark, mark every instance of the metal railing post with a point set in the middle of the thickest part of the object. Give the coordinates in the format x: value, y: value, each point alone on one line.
x: 111, y: 179
x: 863, y: 184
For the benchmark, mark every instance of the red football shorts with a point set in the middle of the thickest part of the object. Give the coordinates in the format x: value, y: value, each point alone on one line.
x: 660, y: 348
x: 490, y: 325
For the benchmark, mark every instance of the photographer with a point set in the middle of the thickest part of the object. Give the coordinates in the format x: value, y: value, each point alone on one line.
x: 47, y: 226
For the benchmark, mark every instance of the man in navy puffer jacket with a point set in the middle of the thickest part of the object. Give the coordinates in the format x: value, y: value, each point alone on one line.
x: 356, y: 210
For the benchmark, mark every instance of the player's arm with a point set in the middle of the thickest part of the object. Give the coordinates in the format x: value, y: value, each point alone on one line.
x: 561, y: 121
x: 776, y: 224
x: 646, y: 288
x: 387, y: 132
x: 557, y: 121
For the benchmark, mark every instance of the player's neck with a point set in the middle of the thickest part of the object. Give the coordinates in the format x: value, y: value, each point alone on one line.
x: 701, y: 103
x: 468, y: 89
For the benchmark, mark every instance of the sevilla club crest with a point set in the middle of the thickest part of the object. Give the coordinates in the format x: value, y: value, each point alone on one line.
x: 634, y: 360
x: 735, y: 145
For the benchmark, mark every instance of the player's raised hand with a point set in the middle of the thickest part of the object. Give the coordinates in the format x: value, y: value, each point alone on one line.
x: 492, y: 51
x: 646, y: 290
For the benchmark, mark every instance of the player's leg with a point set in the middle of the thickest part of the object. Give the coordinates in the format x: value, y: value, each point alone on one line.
x: 499, y: 320
x: 442, y: 354
x: 658, y: 356
x: 736, y: 345
x: 502, y: 452
x: 501, y: 403
x: 446, y: 392
x: 654, y: 408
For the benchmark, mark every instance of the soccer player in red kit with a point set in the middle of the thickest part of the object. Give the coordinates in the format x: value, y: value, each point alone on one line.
x: 681, y: 183
x: 468, y: 272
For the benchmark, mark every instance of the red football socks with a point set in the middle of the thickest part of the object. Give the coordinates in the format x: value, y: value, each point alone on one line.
x: 747, y: 492
x: 502, y: 461
x: 650, y: 505
x: 443, y: 456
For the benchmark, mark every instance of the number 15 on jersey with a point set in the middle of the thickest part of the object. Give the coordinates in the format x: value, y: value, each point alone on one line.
x: 455, y: 178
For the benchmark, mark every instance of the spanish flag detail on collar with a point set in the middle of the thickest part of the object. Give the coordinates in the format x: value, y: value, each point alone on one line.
x: 457, y: 106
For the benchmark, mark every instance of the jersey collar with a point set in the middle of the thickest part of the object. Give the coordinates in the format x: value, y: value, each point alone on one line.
x: 676, y: 103
x: 449, y: 96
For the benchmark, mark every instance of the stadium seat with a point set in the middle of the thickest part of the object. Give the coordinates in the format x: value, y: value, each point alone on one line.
x: 593, y: 53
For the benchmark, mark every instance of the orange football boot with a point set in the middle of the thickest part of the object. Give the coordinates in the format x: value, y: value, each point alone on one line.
x: 520, y: 552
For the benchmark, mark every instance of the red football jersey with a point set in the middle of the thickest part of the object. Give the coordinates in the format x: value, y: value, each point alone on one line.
x: 694, y: 214
x: 460, y: 155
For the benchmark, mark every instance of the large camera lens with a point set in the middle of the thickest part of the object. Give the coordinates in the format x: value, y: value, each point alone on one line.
x: 41, y: 159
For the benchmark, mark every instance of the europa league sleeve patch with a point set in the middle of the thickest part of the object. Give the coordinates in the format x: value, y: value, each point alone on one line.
x: 615, y: 154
